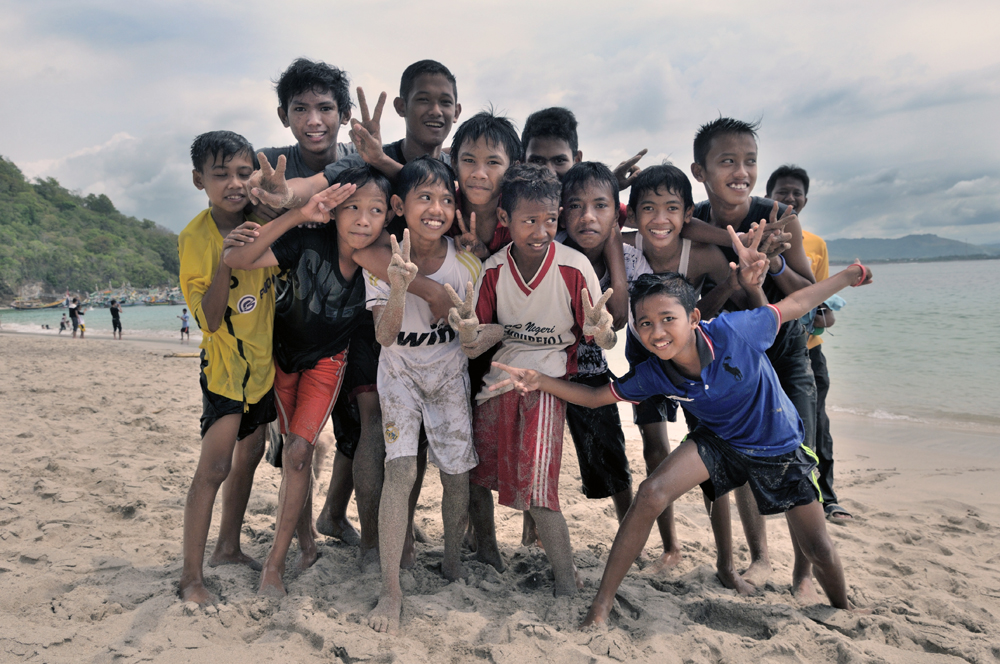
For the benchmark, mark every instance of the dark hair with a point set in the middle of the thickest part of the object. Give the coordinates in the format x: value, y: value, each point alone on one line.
x: 529, y: 182
x: 212, y: 144
x: 720, y: 127
x: 424, y: 170
x: 496, y: 129
x: 362, y: 175
x: 114, y: 301
x: 417, y: 69
x: 305, y: 75
x: 555, y: 122
x: 664, y: 283
x: 585, y: 173
x: 788, y: 171
x: 665, y: 176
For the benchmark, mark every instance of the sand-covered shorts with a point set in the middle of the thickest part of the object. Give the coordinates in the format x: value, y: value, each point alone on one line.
x: 441, y: 403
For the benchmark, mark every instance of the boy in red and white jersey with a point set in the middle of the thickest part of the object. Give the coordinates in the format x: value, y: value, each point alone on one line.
x: 534, y: 299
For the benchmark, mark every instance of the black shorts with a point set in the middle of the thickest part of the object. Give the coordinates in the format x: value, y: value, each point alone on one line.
x: 779, y: 483
x: 600, y: 444
x: 116, y: 325
x: 185, y: 330
x: 656, y: 408
x: 361, y: 376
x: 215, y: 406
x: 76, y: 324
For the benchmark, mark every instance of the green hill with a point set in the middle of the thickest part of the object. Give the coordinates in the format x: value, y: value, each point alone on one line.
x: 53, y: 238
x: 911, y: 247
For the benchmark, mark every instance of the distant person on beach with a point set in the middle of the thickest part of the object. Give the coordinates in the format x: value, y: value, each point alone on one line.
x: 748, y: 430
x: 235, y: 311
x: 790, y: 185
x: 116, y: 321
x: 534, y: 301
x: 316, y: 318
x: 80, y: 311
x: 185, y: 325
x: 64, y: 324
x: 74, y: 310
x: 423, y: 378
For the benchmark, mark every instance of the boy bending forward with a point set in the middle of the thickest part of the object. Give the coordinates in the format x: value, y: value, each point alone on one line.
x: 422, y: 375
x: 748, y: 432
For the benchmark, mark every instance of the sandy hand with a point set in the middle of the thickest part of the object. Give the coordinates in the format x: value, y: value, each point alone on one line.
x: 318, y: 209
x: 401, y: 270
x: 468, y: 240
x: 461, y: 317
x: 267, y: 185
x: 753, y: 263
x: 596, y: 319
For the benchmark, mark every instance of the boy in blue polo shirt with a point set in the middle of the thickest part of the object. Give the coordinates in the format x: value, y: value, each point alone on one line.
x: 748, y: 430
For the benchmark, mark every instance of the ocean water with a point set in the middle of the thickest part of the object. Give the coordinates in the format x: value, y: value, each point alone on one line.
x: 920, y: 344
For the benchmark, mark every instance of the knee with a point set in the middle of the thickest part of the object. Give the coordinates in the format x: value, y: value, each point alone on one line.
x: 652, y: 494
x: 215, y: 472
x: 819, y: 549
x: 297, y: 453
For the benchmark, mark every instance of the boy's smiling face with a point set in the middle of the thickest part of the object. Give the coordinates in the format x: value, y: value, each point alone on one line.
x: 790, y: 191
x: 361, y: 217
x: 554, y: 154
x: 664, y: 328
x: 224, y: 181
x: 314, y: 119
x: 532, y: 226
x: 429, y: 210
x: 730, y: 169
x: 660, y: 216
x: 480, y: 167
x: 590, y: 213
x: 430, y: 110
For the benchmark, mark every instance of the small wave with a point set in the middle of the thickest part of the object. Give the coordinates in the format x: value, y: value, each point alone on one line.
x: 964, y: 421
x: 102, y: 332
x: 877, y: 414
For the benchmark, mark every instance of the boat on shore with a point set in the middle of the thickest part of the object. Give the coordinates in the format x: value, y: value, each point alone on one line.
x: 24, y: 305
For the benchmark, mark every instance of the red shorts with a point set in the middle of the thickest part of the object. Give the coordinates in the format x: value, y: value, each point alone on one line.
x: 519, y: 443
x: 305, y: 399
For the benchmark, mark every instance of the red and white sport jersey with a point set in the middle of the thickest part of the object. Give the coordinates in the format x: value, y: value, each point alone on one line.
x: 542, y: 315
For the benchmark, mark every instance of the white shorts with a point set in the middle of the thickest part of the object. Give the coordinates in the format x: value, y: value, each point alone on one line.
x: 441, y: 404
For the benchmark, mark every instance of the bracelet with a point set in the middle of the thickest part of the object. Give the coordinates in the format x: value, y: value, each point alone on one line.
x: 864, y: 274
x: 782, y: 270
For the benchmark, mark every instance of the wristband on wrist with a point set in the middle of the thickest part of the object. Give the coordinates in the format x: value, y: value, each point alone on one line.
x: 864, y: 274
x: 782, y: 270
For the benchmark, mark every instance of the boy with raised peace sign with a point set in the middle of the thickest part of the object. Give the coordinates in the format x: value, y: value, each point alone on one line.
x: 534, y: 300
x: 422, y: 376
x: 748, y: 431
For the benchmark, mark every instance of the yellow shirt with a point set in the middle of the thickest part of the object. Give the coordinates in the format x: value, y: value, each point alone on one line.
x: 236, y: 358
x: 816, y: 251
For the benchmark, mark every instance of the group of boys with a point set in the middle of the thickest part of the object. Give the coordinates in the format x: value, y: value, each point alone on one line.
x: 450, y: 304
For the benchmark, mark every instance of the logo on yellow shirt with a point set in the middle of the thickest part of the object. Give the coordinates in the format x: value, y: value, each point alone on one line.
x: 246, y: 304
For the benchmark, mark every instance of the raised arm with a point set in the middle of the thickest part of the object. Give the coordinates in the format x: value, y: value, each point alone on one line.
x: 529, y: 380
x: 614, y: 258
x: 476, y: 339
x: 250, y: 247
x: 389, y: 317
x: 802, y: 301
x: 791, y: 270
x: 367, y: 137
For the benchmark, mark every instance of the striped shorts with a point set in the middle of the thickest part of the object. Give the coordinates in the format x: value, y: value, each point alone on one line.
x: 519, y: 443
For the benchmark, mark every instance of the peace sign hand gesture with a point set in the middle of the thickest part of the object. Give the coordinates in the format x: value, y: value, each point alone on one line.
x: 367, y: 134
x: 753, y: 263
x: 468, y: 240
x: 462, y: 317
x: 267, y: 185
x: 597, y: 322
x: 401, y: 270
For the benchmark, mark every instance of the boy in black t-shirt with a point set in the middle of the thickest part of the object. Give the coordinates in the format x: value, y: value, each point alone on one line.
x: 725, y: 161
x: 116, y: 321
x: 315, y: 320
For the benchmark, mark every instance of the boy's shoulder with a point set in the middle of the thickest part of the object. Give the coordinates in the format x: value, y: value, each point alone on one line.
x: 201, y: 233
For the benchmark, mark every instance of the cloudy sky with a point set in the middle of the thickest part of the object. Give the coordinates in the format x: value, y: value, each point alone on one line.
x: 892, y: 107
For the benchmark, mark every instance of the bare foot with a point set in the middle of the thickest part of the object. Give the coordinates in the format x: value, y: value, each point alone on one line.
x: 196, y: 592
x: 758, y: 572
x: 271, y: 584
x: 529, y: 533
x: 730, y: 579
x: 238, y: 558
x: 491, y: 558
x: 577, y: 578
x: 805, y: 593
x: 341, y: 529
x: 669, y: 559
x: 368, y: 560
x: 596, y: 618
x: 307, y: 558
x: 385, y: 616
x: 452, y: 570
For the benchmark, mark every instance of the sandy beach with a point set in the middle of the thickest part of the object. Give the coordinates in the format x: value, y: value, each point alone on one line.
x: 101, y: 441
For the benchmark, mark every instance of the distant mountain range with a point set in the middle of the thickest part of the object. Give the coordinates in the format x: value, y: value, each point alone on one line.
x: 909, y: 248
